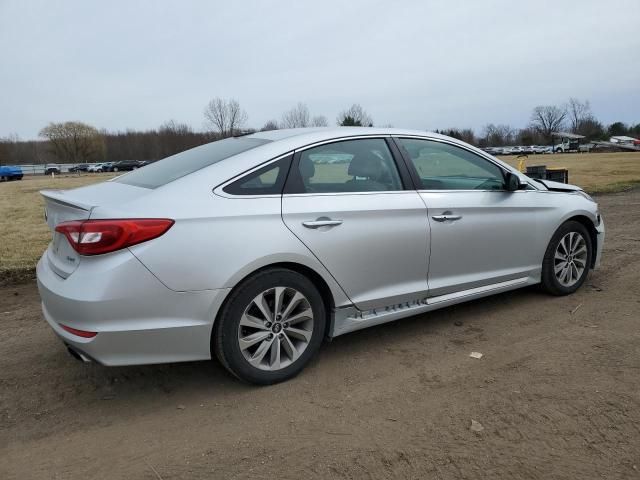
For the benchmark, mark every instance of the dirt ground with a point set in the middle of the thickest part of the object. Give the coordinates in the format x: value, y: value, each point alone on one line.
x: 557, y: 393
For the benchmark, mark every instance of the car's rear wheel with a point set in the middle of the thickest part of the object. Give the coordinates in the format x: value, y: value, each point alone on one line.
x: 270, y: 327
x: 567, y: 259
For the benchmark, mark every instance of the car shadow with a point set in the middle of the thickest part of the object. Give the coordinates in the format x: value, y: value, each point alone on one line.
x: 211, y: 378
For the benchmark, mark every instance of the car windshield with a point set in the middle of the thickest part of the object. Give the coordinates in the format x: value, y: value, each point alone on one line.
x: 176, y: 166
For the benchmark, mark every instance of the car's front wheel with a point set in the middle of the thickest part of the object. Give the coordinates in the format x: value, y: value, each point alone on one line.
x: 567, y: 259
x: 270, y: 327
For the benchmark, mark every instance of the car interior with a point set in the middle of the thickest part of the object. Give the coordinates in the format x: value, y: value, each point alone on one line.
x: 355, y: 166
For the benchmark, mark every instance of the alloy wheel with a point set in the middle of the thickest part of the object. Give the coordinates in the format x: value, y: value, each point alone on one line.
x: 275, y: 328
x: 570, y: 259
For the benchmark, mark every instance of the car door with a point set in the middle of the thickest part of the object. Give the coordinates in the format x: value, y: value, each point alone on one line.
x: 481, y: 234
x: 352, y: 204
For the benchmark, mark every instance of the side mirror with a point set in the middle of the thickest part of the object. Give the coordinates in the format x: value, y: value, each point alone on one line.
x: 511, y: 182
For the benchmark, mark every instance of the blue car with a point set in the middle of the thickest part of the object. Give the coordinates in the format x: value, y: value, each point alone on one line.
x: 10, y: 173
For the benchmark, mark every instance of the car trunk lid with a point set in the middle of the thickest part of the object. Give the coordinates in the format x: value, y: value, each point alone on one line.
x: 77, y: 204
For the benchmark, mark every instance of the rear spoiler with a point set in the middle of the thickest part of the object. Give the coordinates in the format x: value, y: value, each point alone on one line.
x: 58, y: 196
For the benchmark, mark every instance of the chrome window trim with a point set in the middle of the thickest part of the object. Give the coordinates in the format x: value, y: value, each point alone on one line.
x: 325, y: 194
x: 218, y: 190
x: 341, y: 139
x: 472, y: 190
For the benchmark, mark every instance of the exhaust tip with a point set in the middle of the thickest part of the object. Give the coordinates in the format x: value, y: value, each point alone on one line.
x: 78, y: 355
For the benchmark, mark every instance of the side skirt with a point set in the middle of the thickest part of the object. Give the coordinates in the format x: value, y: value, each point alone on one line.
x: 350, y: 319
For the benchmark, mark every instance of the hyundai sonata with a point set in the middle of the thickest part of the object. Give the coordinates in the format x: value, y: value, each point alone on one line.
x: 256, y: 248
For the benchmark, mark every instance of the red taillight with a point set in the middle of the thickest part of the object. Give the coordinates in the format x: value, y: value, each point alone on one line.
x: 94, y: 237
x: 79, y: 333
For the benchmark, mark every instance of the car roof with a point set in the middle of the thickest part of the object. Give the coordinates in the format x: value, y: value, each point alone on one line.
x: 318, y: 134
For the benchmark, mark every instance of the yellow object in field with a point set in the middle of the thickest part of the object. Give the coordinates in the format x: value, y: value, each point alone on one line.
x: 522, y: 164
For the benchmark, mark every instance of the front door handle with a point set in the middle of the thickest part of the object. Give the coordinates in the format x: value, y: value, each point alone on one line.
x: 322, y: 222
x: 446, y: 217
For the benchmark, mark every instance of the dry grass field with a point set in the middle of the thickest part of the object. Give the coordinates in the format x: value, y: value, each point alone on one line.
x: 595, y: 172
x: 24, y: 234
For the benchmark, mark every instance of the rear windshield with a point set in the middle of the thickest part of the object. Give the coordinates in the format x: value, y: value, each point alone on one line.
x: 176, y: 166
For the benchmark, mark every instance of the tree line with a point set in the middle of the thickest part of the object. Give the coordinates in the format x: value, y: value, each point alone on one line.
x: 76, y: 142
x: 575, y: 116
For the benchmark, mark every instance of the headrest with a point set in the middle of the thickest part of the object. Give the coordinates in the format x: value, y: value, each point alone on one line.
x: 368, y: 166
x: 307, y: 168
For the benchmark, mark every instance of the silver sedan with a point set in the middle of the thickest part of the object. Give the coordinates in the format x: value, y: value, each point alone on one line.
x: 256, y: 248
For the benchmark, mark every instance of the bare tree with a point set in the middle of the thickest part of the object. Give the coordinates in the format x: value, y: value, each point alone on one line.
x: 74, y: 141
x: 5, y: 152
x: 354, y: 116
x: 527, y: 136
x: 578, y: 112
x: 270, y: 125
x: 297, y: 117
x: 498, y: 135
x: 547, y: 119
x: 226, y: 117
x: 466, y: 134
x: 319, y: 121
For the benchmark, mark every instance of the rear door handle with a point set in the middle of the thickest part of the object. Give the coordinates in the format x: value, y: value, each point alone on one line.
x: 444, y: 218
x: 322, y: 223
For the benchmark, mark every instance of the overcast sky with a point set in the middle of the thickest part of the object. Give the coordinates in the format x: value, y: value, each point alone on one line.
x: 417, y: 64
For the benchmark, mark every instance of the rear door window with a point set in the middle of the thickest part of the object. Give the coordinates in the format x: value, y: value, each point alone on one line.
x: 363, y: 165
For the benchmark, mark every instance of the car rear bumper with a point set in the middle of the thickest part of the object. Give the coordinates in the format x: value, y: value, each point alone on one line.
x: 138, y: 320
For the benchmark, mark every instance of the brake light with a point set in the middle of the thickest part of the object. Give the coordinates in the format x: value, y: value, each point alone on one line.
x: 95, y: 237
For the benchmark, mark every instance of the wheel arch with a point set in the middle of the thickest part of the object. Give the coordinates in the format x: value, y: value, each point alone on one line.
x: 593, y: 234
x: 316, y: 278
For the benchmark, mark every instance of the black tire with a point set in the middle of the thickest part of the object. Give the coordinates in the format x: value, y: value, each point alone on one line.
x: 550, y: 282
x: 225, y: 342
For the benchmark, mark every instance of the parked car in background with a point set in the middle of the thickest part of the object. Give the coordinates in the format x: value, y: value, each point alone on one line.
x: 49, y: 169
x: 124, y: 166
x: 493, y: 150
x: 82, y: 167
x: 256, y: 248
x: 507, y: 150
x: 586, y: 147
x: 538, y: 149
x: 98, y: 167
x: 8, y: 173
